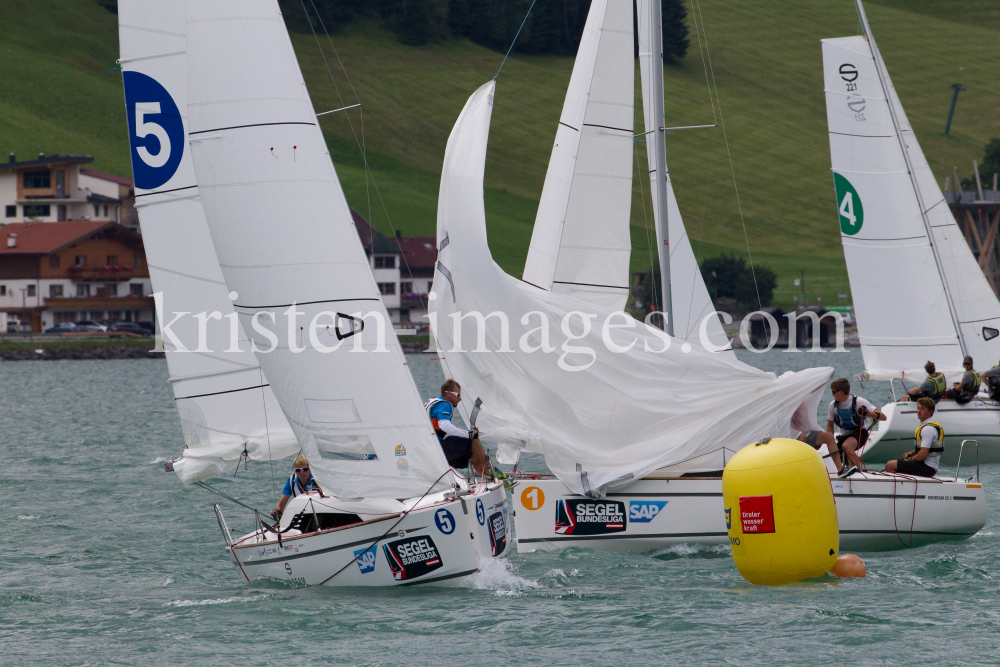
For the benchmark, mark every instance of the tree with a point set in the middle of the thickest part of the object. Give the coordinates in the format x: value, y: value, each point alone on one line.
x: 675, y: 31
x: 991, y: 162
x: 729, y: 277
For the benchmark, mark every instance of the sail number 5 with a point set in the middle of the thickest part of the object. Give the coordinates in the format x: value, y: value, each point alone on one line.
x: 144, y: 128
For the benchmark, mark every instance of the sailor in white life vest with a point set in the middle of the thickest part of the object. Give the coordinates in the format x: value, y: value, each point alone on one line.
x: 461, y: 447
x: 923, y: 460
x: 299, y: 482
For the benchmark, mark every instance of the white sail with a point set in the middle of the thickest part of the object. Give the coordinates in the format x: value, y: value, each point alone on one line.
x: 604, y: 402
x: 225, y: 404
x: 581, y: 243
x: 900, y: 297
x: 693, y: 310
x: 286, y: 243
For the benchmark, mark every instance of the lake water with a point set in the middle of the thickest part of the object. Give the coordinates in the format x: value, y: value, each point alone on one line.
x: 108, y: 560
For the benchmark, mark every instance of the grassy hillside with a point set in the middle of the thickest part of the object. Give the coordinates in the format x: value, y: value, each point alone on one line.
x: 58, y: 97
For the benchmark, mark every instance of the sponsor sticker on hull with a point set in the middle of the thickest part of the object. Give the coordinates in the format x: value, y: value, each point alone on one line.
x: 590, y: 517
x: 498, y: 533
x: 644, y: 511
x: 412, y: 557
x: 365, y: 559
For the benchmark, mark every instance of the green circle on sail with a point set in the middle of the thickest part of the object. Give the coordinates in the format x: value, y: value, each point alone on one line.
x: 852, y: 213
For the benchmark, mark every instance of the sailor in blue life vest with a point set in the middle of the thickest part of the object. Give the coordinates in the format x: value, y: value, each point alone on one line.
x: 933, y: 387
x: 963, y: 392
x: 299, y: 482
x: 848, y: 412
x: 923, y: 460
x: 461, y: 447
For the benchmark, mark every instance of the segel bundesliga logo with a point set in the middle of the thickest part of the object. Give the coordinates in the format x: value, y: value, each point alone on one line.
x: 590, y: 517
x: 644, y: 511
x: 412, y: 557
x: 498, y: 533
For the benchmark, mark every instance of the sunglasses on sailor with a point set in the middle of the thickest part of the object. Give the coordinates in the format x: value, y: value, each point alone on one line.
x: 456, y: 393
x: 306, y: 469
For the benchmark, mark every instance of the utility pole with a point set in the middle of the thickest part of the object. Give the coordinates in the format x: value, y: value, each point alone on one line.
x: 957, y: 87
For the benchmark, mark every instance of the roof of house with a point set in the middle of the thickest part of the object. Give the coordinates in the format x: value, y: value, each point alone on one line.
x: 106, y: 177
x: 372, y: 239
x: 44, y: 160
x: 419, y: 252
x: 44, y: 238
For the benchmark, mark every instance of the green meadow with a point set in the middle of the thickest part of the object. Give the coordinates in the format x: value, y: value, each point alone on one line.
x: 765, y: 57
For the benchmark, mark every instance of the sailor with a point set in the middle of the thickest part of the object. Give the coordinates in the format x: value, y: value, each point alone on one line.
x: 966, y: 390
x: 460, y: 447
x: 923, y: 460
x: 299, y: 482
x: 848, y: 412
x: 933, y: 387
x: 817, y: 439
x: 992, y: 380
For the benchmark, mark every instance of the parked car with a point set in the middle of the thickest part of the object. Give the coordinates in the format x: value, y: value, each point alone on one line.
x: 128, y: 327
x: 90, y: 325
x: 66, y: 327
x: 20, y: 326
x: 148, y: 326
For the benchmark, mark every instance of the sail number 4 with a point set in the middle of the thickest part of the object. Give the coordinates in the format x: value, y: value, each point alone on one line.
x: 852, y: 213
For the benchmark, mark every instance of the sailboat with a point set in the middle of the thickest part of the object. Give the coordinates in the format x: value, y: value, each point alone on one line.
x: 391, y: 511
x: 919, y: 294
x: 633, y: 426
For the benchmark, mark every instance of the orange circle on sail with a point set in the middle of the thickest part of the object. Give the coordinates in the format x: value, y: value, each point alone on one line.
x: 532, y: 498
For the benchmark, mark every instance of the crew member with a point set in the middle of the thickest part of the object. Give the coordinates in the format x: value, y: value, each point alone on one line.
x: 933, y: 387
x: 923, y: 460
x: 992, y: 380
x: 816, y: 439
x: 461, y: 447
x: 966, y: 390
x: 848, y: 412
x: 299, y: 482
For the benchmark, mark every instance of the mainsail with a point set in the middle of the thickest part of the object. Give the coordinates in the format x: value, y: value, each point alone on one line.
x: 911, y: 306
x: 606, y: 399
x: 226, y: 407
x: 580, y: 243
x: 287, y: 245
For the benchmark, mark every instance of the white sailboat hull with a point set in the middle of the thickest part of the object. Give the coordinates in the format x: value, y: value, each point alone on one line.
x: 877, y: 512
x: 978, y: 420
x: 430, y: 545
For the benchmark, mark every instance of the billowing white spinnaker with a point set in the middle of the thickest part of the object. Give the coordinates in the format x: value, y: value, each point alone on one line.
x: 580, y: 244
x: 617, y: 416
x: 900, y: 298
x: 286, y: 243
x: 223, y: 398
x: 693, y: 309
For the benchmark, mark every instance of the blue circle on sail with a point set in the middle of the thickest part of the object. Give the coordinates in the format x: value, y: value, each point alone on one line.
x: 480, y: 512
x: 156, y: 131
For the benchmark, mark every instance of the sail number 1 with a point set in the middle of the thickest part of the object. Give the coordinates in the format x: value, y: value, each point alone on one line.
x: 532, y: 498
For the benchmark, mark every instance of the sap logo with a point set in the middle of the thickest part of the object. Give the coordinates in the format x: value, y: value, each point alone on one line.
x: 366, y: 559
x: 644, y: 511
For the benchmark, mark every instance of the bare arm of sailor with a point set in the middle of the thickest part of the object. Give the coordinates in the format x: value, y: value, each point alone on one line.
x: 829, y: 426
x: 920, y: 455
x: 277, y: 511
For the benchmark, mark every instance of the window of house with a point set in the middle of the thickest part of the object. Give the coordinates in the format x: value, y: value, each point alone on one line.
x: 55, y: 291
x: 405, y: 288
x: 3, y: 290
x: 113, y: 289
x: 105, y: 210
x: 83, y: 290
x: 31, y: 290
x: 135, y: 289
x: 80, y: 260
x: 97, y: 210
x: 37, y: 210
x: 385, y: 262
x: 97, y: 315
x: 114, y: 314
x: 387, y: 288
x: 65, y: 316
x: 112, y: 260
x: 38, y: 179
x: 10, y: 211
x: 61, y: 212
x: 137, y: 260
x: 54, y: 261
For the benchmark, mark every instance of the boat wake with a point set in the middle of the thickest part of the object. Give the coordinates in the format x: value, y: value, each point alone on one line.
x: 202, y: 603
x: 692, y: 551
x: 497, y: 575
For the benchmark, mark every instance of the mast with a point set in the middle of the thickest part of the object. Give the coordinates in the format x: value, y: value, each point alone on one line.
x: 660, y: 152
x: 883, y: 79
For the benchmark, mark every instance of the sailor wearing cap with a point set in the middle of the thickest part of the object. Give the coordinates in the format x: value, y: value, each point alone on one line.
x: 966, y: 390
x: 299, y: 482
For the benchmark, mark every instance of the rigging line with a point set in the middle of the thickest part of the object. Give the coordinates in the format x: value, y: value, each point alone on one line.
x: 729, y: 153
x: 267, y: 431
x: 515, y: 39
x: 645, y: 224
x: 704, y: 65
x: 212, y: 489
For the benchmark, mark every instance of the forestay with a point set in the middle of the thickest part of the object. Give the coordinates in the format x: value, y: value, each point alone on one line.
x: 225, y: 404
x: 694, y: 314
x: 286, y: 243
x: 580, y: 243
x: 904, y: 318
x: 602, y: 418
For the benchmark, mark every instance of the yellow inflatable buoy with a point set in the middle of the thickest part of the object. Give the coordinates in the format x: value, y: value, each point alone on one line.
x: 780, y: 513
